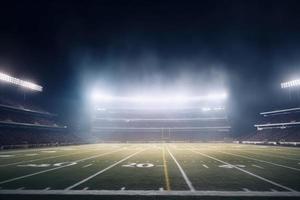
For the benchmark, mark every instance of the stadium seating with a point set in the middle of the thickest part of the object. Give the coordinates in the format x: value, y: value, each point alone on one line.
x: 159, y: 124
x: 24, y: 125
x: 279, y: 126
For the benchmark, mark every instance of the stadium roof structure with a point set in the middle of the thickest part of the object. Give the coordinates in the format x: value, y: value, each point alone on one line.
x: 25, y: 110
x: 279, y: 112
x: 29, y: 125
x: 277, y: 125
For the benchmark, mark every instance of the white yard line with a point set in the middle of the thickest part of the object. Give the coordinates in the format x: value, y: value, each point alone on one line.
x: 152, y: 193
x: 245, y: 171
x: 56, y: 168
x: 187, y: 180
x: 258, y: 166
x: 205, y: 166
x: 87, y: 165
x: 271, y: 163
x: 39, y: 159
x: 271, y: 155
x: 103, y: 170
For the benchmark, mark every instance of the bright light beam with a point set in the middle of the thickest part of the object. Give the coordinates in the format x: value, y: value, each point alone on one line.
x: 100, y: 97
x: 289, y: 84
x: 19, y: 82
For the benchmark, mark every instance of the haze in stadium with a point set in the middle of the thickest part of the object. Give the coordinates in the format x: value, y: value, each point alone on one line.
x: 150, y: 100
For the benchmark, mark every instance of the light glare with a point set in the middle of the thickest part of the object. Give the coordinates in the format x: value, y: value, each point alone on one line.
x: 293, y: 83
x: 19, y: 82
x: 99, y: 96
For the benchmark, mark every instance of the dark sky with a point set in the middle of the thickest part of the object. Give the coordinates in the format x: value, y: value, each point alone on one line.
x: 247, y: 47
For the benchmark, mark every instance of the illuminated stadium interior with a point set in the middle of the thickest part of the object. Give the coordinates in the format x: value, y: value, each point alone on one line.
x: 150, y: 100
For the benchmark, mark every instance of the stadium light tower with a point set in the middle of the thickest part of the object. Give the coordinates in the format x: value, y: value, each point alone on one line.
x: 18, y: 82
x: 290, y: 84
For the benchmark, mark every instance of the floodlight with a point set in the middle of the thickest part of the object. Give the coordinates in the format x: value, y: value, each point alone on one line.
x: 99, y: 96
x: 216, y: 96
x: 162, y: 99
x: 19, y: 82
x: 289, y: 84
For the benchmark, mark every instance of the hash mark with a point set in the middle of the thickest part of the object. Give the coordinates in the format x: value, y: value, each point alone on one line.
x: 86, y: 165
x: 205, y: 166
x: 258, y: 166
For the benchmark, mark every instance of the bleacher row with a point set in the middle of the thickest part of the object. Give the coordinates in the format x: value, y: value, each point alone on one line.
x: 160, y: 124
x: 276, y: 127
x: 24, y: 125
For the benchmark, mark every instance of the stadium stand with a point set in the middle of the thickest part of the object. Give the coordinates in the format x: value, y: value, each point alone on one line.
x: 24, y: 125
x: 160, y: 124
x: 277, y: 127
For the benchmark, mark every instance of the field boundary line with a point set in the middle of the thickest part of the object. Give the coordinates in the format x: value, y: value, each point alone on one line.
x: 187, y: 180
x: 247, y: 172
x: 152, y: 193
x: 264, y: 161
x: 56, y: 168
x: 166, y: 172
x: 103, y: 170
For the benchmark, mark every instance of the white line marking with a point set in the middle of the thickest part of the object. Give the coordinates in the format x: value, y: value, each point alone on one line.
x: 6, y: 156
x: 187, y: 180
x: 247, y: 172
x: 39, y: 159
x: 47, y: 188
x: 87, y: 165
x: 205, y: 166
x: 258, y: 166
x: 86, y: 188
x: 161, y: 189
x: 246, y: 189
x: 31, y: 154
x: 101, y: 171
x: 153, y: 193
x: 271, y: 163
x: 56, y: 168
x: 274, y: 156
x: 122, y: 188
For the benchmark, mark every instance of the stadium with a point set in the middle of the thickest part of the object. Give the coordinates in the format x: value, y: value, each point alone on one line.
x: 104, y: 118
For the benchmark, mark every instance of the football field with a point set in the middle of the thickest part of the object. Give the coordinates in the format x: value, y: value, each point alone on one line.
x: 151, y: 171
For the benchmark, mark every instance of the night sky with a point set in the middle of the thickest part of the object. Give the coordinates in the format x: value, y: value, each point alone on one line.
x: 246, y: 47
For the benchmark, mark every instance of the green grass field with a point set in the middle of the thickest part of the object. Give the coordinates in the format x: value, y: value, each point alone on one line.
x: 151, y: 171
